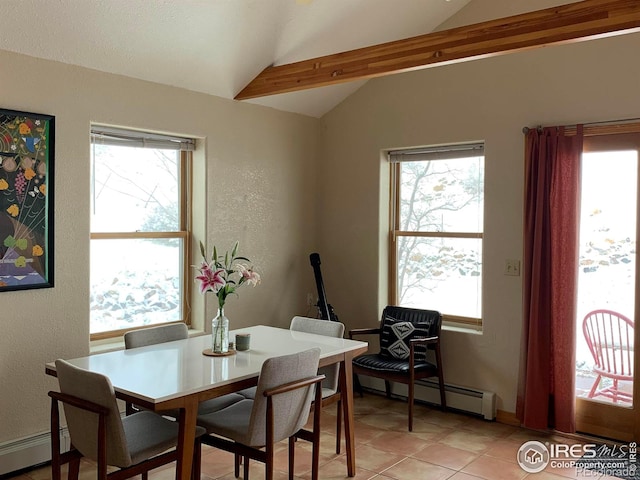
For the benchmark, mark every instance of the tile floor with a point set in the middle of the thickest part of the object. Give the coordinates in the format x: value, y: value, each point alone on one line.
x: 442, y: 446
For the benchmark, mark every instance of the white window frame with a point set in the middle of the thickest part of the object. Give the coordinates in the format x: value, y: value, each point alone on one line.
x: 123, y: 137
x: 396, y: 157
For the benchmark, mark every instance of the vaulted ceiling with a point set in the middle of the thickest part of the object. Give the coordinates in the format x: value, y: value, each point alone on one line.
x: 218, y: 46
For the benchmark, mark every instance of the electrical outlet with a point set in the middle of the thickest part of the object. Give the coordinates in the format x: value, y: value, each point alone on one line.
x: 512, y: 267
x: 310, y: 301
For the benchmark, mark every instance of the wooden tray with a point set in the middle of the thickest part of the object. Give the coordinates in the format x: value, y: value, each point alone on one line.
x: 210, y: 353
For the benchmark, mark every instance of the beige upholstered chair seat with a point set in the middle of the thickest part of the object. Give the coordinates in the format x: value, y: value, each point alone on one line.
x: 248, y: 393
x: 232, y: 422
x: 135, y: 444
x: 219, y: 403
x: 147, y: 434
x: 283, y: 396
x: 330, y: 392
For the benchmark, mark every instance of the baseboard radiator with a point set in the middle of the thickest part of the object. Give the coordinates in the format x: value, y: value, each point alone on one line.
x: 29, y: 451
x: 476, y: 402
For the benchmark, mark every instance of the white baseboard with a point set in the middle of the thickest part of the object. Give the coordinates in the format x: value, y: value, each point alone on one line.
x: 464, y: 399
x: 29, y: 451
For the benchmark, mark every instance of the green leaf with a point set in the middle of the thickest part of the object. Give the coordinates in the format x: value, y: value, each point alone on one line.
x: 215, y: 255
x: 202, y: 250
x: 243, y: 258
x: 235, y: 249
x: 10, y: 242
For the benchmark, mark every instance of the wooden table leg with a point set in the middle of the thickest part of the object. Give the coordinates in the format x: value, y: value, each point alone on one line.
x: 186, y: 440
x: 346, y: 391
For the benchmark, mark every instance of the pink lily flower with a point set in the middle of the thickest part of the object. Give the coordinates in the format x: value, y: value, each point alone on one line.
x: 210, y: 280
x: 250, y: 277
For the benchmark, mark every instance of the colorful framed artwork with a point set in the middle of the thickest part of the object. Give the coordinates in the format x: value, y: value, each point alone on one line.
x: 26, y: 200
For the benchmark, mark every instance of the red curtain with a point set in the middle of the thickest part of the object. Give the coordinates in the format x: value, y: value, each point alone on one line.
x: 546, y: 390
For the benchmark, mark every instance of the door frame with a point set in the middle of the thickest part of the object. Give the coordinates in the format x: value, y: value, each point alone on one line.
x: 594, y: 417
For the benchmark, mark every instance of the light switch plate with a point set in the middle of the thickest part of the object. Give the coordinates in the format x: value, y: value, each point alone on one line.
x: 512, y: 267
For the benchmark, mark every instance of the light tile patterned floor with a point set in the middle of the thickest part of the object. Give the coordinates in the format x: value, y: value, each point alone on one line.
x: 442, y: 446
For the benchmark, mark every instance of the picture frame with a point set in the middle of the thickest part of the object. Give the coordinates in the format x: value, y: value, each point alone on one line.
x: 27, y: 142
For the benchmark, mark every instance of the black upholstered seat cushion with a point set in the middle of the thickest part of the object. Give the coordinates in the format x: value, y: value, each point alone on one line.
x: 388, y: 364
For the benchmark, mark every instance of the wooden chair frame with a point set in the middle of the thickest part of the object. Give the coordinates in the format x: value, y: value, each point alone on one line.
x: 410, y: 378
x: 73, y: 456
x: 330, y: 400
x: 266, y: 456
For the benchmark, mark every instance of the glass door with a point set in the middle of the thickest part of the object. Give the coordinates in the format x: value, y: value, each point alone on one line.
x: 606, y: 394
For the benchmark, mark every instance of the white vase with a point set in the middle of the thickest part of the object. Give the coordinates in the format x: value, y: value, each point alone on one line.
x: 220, y: 333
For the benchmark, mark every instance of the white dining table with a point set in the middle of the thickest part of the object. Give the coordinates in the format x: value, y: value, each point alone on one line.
x: 177, y: 375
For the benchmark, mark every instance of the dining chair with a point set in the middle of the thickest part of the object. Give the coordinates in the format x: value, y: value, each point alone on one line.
x: 406, y: 335
x: 609, y: 336
x: 330, y: 393
x: 135, y: 443
x: 168, y: 333
x: 286, y: 387
x: 154, y: 335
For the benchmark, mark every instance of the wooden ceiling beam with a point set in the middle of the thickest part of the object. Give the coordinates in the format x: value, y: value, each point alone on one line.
x: 574, y: 22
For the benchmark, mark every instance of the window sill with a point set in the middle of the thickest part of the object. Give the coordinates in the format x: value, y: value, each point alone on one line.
x: 117, y: 343
x: 459, y: 328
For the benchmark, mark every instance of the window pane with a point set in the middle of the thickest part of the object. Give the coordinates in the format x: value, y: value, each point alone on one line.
x: 135, y: 189
x: 135, y: 282
x: 442, y: 195
x: 607, y: 269
x: 443, y: 274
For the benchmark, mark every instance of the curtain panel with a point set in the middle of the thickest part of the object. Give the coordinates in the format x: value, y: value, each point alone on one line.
x: 546, y: 389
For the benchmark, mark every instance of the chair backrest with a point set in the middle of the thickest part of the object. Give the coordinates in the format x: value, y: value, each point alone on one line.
x: 154, y: 335
x: 291, y: 409
x: 609, y: 336
x: 83, y: 425
x: 329, y: 329
x: 395, y: 333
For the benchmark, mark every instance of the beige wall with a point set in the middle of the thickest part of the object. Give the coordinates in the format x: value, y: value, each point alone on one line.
x: 262, y: 168
x: 488, y: 100
x: 261, y: 172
